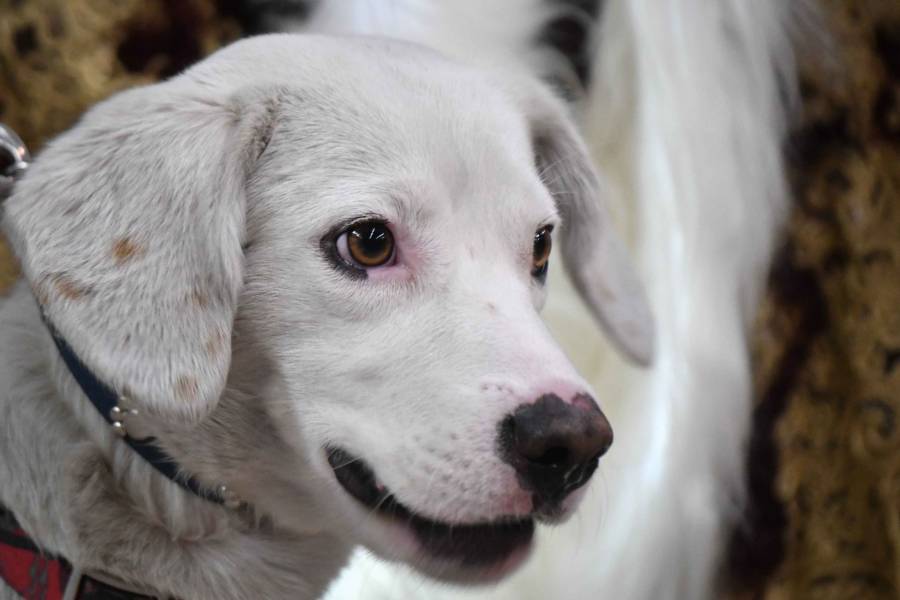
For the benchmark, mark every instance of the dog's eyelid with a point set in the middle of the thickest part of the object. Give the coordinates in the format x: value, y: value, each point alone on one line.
x: 348, y: 223
x: 336, y: 228
x: 551, y: 222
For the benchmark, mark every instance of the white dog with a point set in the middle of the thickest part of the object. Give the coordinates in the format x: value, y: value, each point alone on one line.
x: 287, y: 302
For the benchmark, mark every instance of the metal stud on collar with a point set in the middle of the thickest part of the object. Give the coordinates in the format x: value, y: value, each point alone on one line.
x: 118, y: 414
x: 229, y: 498
x: 14, y: 160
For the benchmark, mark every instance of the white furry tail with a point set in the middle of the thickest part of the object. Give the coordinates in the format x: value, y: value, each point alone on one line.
x: 687, y: 116
x: 499, y: 34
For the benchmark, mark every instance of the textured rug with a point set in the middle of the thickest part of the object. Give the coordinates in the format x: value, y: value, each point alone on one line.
x: 824, y: 464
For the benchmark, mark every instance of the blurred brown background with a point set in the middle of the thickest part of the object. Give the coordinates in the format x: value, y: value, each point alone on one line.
x: 824, y: 461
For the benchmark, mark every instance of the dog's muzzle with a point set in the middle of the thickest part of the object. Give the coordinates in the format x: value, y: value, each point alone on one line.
x: 470, y: 544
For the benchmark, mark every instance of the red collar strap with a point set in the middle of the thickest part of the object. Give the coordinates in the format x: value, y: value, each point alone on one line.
x: 35, y: 575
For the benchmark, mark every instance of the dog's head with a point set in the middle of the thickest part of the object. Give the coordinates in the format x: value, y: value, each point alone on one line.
x: 371, y: 225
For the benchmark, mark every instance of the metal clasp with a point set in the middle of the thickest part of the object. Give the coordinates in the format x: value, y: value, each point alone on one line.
x: 14, y: 160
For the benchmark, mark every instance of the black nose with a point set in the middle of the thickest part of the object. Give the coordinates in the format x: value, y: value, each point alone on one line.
x: 555, y: 445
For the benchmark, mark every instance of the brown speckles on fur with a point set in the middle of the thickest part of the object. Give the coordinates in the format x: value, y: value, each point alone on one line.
x: 187, y: 389
x: 124, y: 250
x: 68, y: 288
x: 40, y: 292
x: 9, y: 268
x: 199, y: 298
x: 216, y: 344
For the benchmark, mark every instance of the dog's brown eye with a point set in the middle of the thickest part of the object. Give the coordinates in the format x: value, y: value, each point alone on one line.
x: 541, y: 257
x: 367, y: 244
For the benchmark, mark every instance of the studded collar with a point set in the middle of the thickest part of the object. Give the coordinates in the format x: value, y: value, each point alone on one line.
x: 116, y: 410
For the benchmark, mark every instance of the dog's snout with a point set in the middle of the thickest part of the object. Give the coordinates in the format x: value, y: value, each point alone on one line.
x: 554, y: 445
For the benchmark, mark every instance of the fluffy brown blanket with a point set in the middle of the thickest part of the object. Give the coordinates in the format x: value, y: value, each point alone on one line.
x: 825, y: 459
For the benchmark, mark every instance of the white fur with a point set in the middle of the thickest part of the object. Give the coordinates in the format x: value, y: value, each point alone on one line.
x: 686, y: 117
x: 499, y: 34
x: 179, y: 239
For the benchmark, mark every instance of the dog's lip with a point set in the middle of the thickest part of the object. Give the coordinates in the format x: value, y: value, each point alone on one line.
x: 467, y: 544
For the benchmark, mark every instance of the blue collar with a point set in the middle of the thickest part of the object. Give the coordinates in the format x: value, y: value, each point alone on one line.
x: 107, y: 402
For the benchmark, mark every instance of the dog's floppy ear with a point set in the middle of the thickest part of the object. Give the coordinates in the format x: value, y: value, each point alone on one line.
x: 130, y: 230
x: 594, y: 254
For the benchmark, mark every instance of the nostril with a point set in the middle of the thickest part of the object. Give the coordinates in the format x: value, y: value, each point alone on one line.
x: 554, y: 457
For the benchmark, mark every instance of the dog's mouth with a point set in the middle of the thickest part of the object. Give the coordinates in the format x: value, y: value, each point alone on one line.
x: 470, y: 544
